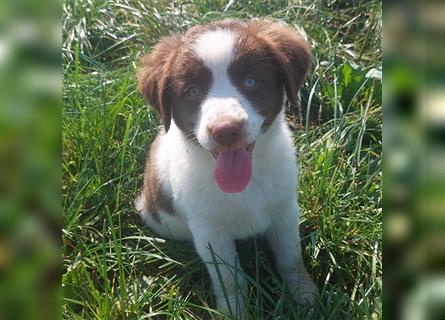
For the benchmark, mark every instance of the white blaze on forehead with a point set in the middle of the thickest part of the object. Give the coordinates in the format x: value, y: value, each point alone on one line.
x: 215, y: 48
x: 223, y: 101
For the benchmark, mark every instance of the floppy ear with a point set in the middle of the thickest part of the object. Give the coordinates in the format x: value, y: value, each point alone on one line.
x: 291, y: 50
x: 153, y: 76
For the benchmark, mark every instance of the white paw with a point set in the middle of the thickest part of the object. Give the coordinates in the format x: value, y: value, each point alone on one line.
x: 231, y: 305
x: 307, y: 291
x: 302, y: 288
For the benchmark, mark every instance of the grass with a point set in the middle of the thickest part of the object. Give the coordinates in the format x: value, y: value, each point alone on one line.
x: 115, y: 268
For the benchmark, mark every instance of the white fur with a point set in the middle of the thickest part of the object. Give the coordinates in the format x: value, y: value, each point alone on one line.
x: 214, y: 219
x: 224, y: 101
x: 215, y: 48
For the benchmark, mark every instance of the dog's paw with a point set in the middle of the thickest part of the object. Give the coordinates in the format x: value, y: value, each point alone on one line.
x: 232, y: 305
x: 307, y: 291
x: 303, y: 288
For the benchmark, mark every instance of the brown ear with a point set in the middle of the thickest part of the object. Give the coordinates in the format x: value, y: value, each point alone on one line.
x: 291, y: 51
x: 153, y: 76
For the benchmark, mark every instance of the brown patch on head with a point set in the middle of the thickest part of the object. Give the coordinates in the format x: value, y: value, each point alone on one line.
x: 289, y: 48
x: 153, y: 76
x: 154, y: 197
x: 254, y: 60
x: 175, y: 81
x: 275, y: 56
x: 169, y: 78
x: 190, y: 82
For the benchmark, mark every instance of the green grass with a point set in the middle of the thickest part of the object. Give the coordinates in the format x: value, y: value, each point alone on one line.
x: 114, y: 267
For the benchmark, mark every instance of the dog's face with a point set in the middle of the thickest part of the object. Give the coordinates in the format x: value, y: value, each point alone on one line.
x: 223, y: 84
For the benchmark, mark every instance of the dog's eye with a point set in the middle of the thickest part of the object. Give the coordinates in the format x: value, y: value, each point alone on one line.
x: 193, y: 92
x: 250, y: 82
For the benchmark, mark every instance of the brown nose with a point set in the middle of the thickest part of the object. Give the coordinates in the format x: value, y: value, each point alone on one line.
x: 226, y: 133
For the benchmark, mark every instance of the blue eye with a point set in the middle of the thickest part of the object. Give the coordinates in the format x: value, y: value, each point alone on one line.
x: 193, y: 92
x: 250, y: 82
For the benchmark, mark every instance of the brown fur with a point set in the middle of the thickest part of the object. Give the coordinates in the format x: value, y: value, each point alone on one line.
x: 288, y: 47
x: 153, y: 75
x: 188, y: 71
x: 152, y: 194
x: 284, y: 56
x: 292, y: 52
x: 254, y: 58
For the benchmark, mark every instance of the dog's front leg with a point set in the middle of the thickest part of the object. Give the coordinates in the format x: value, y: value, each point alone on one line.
x: 218, y: 252
x: 283, y: 237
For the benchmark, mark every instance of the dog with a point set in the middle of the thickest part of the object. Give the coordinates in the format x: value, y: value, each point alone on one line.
x: 224, y: 166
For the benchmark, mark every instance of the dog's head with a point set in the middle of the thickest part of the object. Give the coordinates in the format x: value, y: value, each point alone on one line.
x: 223, y: 84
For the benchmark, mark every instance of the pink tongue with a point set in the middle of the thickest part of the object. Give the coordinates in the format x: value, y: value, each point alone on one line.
x: 233, y: 170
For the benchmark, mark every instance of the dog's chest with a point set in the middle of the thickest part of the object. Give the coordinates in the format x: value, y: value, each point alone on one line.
x: 187, y: 172
x: 242, y: 214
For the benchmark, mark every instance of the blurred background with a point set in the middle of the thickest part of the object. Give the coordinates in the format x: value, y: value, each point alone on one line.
x: 414, y: 168
x: 414, y: 159
x: 30, y: 166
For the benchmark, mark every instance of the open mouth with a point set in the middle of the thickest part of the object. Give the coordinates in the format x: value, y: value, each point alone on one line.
x: 233, y: 168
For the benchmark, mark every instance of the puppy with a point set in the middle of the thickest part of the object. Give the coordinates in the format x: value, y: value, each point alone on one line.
x: 224, y: 167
